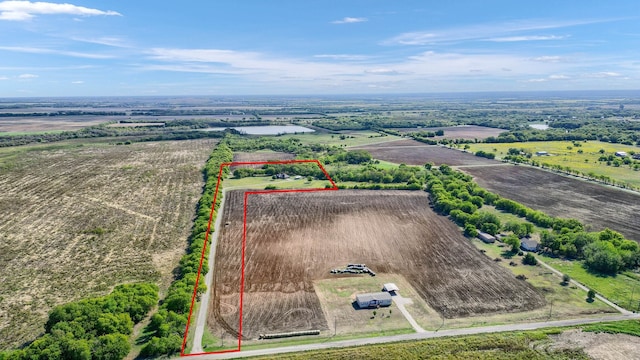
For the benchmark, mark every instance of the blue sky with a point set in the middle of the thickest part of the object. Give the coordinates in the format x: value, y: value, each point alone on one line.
x: 245, y: 47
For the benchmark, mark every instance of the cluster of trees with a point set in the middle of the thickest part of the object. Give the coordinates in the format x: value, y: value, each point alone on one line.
x: 485, y: 154
x: 454, y: 193
x: 410, y: 175
x: 377, y: 121
x: 97, y: 328
x: 605, y: 252
x: 167, y: 326
x: 607, y: 131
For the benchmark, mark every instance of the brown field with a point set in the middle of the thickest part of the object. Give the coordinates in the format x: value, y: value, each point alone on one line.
x: 77, y: 220
x: 469, y: 132
x: 595, y: 205
x: 412, y: 152
x: 296, y: 239
x: 44, y: 123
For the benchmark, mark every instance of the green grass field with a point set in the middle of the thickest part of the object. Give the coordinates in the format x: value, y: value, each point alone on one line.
x: 353, y: 138
x: 565, y: 153
x: 515, y: 345
x: 622, y: 289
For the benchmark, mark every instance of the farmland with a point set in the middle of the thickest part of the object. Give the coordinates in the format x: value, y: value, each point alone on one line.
x: 583, y: 158
x: 467, y: 132
x: 75, y: 220
x: 412, y: 152
x: 593, y: 204
x: 295, y: 239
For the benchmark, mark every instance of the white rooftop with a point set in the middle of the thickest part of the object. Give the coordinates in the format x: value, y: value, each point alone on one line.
x: 390, y: 287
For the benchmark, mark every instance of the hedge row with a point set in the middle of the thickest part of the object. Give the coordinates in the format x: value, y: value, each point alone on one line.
x: 167, y: 326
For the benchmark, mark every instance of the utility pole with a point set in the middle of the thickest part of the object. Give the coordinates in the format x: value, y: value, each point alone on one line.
x: 222, y: 339
x: 335, y: 325
x: 550, y: 309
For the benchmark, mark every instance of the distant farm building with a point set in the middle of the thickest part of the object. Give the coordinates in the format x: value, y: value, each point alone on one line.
x: 282, y: 176
x: 373, y: 300
x: 542, y: 153
x: 621, y: 153
x: 487, y: 238
x: 528, y: 244
x: 636, y: 156
x: 391, y: 288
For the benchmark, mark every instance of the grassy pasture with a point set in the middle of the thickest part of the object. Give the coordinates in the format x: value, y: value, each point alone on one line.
x: 622, y: 289
x: 566, y: 154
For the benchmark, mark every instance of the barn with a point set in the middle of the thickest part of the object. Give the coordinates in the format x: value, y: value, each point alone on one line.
x: 372, y: 300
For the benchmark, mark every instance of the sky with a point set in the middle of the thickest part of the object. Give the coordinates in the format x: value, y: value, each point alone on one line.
x: 300, y: 47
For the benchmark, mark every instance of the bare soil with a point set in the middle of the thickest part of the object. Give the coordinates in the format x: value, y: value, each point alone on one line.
x: 595, y: 205
x: 412, y: 152
x: 75, y: 222
x: 599, y: 346
x: 44, y: 123
x: 294, y: 239
x: 468, y: 132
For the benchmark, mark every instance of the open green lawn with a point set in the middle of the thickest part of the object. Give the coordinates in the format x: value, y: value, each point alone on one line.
x: 568, y: 301
x: 352, y: 138
x: 622, y: 289
x: 260, y: 182
x: 560, y: 154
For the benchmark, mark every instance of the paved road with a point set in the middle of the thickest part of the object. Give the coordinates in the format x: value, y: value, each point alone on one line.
x: 201, y: 321
x: 419, y: 336
x: 598, y: 296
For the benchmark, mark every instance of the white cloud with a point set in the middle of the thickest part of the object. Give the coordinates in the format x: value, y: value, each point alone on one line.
x: 526, y: 38
x: 535, y: 80
x: 381, y: 71
x: 4, y: 78
x: 346, y: 57
x: 349, y: 20
x: 77, y: 82
x: 27, y: 76
x: 604, y: 74
x: 551, y: 59
x: 26, y: 10
x: 107, y: 41
x: 33, y: 50
x: 504, y: 30
x: 558, y: 77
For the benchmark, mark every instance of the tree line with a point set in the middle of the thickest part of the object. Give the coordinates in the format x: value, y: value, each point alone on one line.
x: 454, y: 193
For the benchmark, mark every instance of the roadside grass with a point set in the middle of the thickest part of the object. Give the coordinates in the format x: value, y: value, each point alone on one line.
x: 622, y: 289
x: 512, y: 345
x: 352, y: 138
x: 560, y: 154
x: 563, y: 302
x: 629, y: 327
x: 268, y: 344
x: 37, y: 132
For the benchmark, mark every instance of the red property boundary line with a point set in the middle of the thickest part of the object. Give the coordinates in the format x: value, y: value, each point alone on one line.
x: 244, y: 237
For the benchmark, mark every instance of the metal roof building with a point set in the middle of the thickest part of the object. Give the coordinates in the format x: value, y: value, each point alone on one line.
x: 373, y: 300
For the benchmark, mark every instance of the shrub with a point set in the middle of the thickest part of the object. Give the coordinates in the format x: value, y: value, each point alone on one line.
x: 529, y: 259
